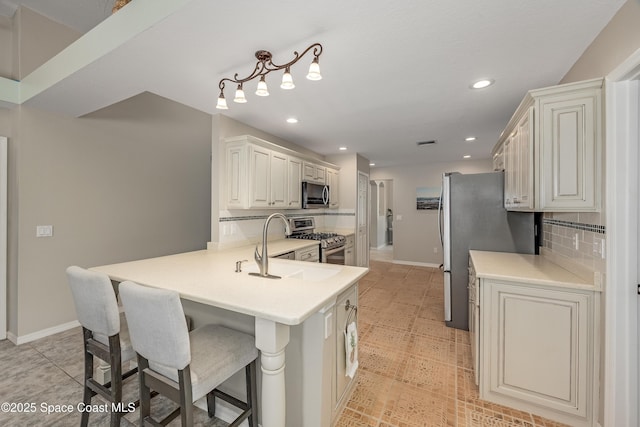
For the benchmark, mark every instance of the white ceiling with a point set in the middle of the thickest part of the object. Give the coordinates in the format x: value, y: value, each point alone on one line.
x: 394, y: 73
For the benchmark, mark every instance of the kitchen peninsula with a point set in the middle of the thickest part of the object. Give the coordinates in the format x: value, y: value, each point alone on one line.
x: 298, y: 307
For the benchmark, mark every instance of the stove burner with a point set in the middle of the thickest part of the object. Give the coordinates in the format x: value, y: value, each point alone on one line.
x: 303, y: 229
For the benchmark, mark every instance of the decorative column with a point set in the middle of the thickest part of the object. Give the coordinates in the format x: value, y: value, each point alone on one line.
x: 272, y: 339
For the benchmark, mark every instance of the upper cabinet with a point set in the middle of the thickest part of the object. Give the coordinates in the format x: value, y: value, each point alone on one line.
x: 552, y: 150
x: 333, y: 181
x: 315, y: 173
x: 262, y: 175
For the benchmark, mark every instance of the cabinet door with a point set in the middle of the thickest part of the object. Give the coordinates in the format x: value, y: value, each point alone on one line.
x: 344, y: 314
x: 321, y: 174
x: 260, y: 165
x: 510, y: 168
x: 536, y: 347
x: 333, y: 177
x: 525, y: 161
x: 279, y: 187
x: 569, y: 145
x: 236, y: 184
x: 294, y: 193
x: 498, y: 159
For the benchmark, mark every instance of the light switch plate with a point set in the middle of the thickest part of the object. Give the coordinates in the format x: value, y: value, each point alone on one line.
x: 44, y: 230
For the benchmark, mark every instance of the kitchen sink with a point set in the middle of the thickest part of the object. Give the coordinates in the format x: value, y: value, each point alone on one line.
x: 309, y: 272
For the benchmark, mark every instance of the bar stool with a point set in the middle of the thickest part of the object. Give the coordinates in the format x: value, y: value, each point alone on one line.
x: 185, y: 366
x: 104, y: 336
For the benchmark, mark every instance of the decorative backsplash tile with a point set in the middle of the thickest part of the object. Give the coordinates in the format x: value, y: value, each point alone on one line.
x: 560, y: 238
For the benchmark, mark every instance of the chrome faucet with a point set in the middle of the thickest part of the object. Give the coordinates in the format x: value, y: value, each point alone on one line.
x: 263, y: 260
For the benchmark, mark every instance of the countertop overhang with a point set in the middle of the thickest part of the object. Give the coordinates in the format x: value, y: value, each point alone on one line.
x: 209, y: 277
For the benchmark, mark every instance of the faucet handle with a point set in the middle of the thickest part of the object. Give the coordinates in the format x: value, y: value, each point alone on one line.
x: 239, y: 265
x: 257, y: 256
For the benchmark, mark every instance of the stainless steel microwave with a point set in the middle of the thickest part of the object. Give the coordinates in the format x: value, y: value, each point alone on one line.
x: 315, y: 195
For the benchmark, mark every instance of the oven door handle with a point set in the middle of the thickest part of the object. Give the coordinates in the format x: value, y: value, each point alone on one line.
x: 328, y: 252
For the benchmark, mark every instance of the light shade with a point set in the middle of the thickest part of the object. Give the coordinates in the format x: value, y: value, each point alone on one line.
x: 239, y: 98
x: 262, y: 88
x: 314, y: 70
x: 222, y: 103
x: 287, y: 80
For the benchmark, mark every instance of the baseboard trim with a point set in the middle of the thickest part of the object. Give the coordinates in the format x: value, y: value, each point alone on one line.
x: 23, y: 339
x: 417, y: 264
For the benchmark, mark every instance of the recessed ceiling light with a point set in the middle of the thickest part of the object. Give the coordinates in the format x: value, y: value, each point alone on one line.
x: 471, y: 138
x: 467, y: 156
x: 292, y: 120
x: 372, y: 164
x: 481, y: 84
x: 342, y: 148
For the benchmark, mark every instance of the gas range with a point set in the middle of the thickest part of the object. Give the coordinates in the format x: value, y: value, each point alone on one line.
x: 303, y: 228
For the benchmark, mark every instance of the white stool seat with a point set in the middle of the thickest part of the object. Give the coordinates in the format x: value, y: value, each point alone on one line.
x: 216, y: 354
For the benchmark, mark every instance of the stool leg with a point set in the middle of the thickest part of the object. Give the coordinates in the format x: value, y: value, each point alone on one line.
x: 252, y: 392
x: 88, y: 374
x: 145, y: 392
x: 211, y: 404
x: 116, y: 378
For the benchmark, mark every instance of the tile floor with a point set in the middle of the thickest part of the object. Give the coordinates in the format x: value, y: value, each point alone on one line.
x: 414, y: 371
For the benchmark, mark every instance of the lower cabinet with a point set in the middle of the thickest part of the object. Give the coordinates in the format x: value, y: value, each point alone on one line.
x: 345, y: 313
x: 539, y: 350
x: 311, y: 254
x: 316, y: 385
x: 350, y: 250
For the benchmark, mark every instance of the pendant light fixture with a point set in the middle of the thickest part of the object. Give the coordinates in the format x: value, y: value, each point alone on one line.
x: 263, y: 67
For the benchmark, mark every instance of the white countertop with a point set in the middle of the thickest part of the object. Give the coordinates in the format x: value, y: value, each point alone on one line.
x: 209, y: 277
x: 534, y: 269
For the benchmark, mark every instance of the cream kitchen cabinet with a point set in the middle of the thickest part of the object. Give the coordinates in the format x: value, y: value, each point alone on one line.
x: 259, y: 170
x: 345, y: 313
x: 350, y: 250
x: 262, y: 175
x: 536, y: 345
x: 294, y: 184
x: 333, y: 181
x: 519, y: 168
x: 553, y: 150
x: 311, y: 254
x: 498, y: 158
x: 312, y: 172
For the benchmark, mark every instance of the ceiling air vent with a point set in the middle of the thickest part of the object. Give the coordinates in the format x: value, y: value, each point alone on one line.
x: 421, y: 143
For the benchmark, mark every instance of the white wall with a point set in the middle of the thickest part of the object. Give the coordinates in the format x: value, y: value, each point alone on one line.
x: 415, y: 233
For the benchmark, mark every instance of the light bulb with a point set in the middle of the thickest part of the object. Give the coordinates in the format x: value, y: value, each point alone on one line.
x: 222, y: 103
x: 239, y: 98
x: 262, y: 88
x: 314, y: 70
x: 287, y: 80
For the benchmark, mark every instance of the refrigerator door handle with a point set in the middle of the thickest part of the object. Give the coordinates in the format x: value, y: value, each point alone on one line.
x: 447, y: 296
x: 440, y: 213
x: 446, y: 222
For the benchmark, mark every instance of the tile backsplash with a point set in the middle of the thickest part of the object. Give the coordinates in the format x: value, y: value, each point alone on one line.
x: 578, y: 239
x: 237, y: 228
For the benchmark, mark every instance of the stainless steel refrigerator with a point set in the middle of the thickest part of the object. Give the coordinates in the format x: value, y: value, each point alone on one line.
x: 472, y: 216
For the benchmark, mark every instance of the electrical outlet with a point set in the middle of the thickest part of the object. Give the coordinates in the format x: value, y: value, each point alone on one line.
x: 435, y: 250
x: 603, y: 244
x: 576, y: 242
